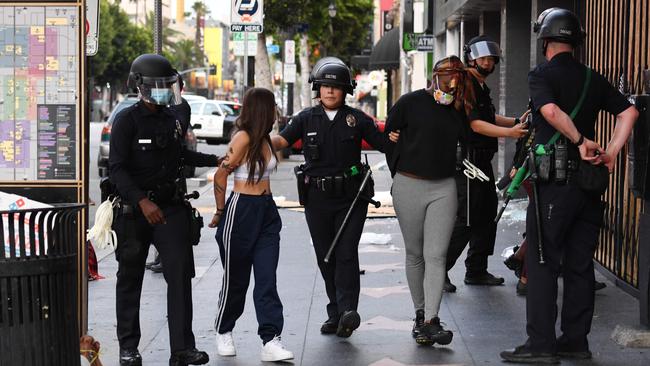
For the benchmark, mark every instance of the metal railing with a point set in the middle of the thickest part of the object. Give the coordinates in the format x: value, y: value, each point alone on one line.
x: 618, y: 46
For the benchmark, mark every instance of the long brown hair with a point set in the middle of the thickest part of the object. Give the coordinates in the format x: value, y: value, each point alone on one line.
x: 464, y: 98
x: 257, y: 117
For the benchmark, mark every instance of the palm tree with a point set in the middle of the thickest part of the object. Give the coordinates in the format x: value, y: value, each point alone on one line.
x: 168, y: 34
x: 185, y: 56
x: 201, y: 10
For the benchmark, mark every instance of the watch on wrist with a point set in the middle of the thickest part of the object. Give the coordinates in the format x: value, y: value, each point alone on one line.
x: 580, y: 141
x: 517, y: 120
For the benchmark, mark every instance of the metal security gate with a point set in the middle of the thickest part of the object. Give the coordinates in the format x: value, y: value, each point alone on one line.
x: 618, y: 47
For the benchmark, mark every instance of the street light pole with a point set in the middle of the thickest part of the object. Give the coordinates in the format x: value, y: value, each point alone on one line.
x: 157, y: 27
x: 331, y: 11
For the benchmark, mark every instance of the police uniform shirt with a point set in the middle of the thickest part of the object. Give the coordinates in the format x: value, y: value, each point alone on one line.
x: 339, y: 141
x: 146, y: 149
x: 429, y: 134
x: 560, y: 81
x: 483, y: 110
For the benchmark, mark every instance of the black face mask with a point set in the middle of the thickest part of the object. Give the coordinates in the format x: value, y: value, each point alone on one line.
x: 483, y: 71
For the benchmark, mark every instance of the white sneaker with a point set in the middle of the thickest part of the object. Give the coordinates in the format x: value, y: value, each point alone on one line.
x: 274, y: 350
x: 225, y: 344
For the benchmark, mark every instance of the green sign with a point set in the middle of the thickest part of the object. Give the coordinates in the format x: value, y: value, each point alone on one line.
x: 417, y: 42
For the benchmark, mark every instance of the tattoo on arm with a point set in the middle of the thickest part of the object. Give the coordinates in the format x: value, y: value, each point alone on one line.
x: 218, y: 188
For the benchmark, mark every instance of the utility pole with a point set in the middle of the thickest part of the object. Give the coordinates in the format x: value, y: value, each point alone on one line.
x: 157, y: 27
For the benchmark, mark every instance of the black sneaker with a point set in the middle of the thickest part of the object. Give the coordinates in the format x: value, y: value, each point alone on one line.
x: 188, y: 357
x: 330, y: 325
x: 418, y: 323
x: 448, y: 286
x: 599, y: 285
x: 522, y: 354
x: 483, y: 279
x: 350, y: 320
x: 522, y: 288
x: 432, y: 332
x: 130, y: 357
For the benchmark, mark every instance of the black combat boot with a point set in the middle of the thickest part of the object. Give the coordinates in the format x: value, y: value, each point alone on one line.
x: 432, y: 332
x: 188, y: 357
x: 483, y: 279
x: 330, y: 325
x: 350, y: 320
x: 419, y: 322
x: 130, y: 357
x: 523, y: 354
x: 448, y: 286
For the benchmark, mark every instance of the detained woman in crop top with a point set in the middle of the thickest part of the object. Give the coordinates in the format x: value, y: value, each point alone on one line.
x: 248, y: 229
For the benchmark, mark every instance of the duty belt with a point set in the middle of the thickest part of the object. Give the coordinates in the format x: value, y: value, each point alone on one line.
x: 328, y: 183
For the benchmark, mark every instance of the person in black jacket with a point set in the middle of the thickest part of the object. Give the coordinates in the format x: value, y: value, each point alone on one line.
x: 475, y: 222
x: 145, y: 163
x: 432, y: 130
x: 331, y: 134
x: 567, y: 98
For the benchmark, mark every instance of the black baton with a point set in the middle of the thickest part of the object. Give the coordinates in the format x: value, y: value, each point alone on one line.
x: 347, y: 215
x: 538, y: 214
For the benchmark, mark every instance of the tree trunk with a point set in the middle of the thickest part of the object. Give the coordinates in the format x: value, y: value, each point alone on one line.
x: 305, y: 87
x: 263, y: 76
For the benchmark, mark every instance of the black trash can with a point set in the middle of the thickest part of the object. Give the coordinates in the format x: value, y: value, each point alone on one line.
x: 38, y: 286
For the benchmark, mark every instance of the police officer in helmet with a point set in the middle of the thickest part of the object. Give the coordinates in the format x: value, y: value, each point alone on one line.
x: 331, y: 134
x: 567, y: 97
x: 482, y: 55
x: 145, y: 164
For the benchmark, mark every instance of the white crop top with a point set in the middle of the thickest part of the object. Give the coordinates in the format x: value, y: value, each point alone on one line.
x: 241, y: 173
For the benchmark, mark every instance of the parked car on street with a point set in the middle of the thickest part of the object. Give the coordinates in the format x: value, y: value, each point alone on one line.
x: 213, y: 120
x: 104, y: 145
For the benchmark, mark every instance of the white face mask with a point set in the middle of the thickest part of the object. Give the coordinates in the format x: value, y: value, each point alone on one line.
x: 440, y: 96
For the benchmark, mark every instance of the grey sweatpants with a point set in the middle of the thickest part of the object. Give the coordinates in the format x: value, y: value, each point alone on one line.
x: 426, y: 211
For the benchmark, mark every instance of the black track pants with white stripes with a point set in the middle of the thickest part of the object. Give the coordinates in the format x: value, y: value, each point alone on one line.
x: 249, y: 237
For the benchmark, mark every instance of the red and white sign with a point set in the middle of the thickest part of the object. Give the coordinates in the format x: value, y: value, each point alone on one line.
x: 92, y: 27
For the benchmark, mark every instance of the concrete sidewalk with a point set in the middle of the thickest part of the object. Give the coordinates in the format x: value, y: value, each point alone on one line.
x: 485, y: 320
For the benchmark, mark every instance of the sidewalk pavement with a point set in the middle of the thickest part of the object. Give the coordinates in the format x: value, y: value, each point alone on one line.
x: 485, y: 320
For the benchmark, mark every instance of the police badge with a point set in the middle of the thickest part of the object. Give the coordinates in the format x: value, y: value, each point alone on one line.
x: 350, y: 120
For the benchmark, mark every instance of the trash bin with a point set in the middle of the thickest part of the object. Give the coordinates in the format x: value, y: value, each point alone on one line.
x: 38, y: 286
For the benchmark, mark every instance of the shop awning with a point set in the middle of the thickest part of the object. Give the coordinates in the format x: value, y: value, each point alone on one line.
x: 385, y: 54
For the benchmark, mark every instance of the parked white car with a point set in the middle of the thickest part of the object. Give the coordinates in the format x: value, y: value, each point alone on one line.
x: 212, y: 120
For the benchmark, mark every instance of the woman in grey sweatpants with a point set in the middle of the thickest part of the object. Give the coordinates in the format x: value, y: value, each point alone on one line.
x: 423, y: 164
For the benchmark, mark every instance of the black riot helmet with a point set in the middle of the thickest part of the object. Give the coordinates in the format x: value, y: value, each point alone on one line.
x: 559, y: 25
x: 155, y: 79
x: 332, y: 71
x: 482, y: 46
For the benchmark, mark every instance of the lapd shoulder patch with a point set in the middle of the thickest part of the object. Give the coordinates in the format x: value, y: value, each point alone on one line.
x: 351, y: 120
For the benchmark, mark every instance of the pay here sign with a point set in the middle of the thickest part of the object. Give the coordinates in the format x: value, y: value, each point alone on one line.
x: 247, y: 16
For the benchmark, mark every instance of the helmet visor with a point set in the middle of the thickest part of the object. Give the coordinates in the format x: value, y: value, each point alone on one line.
x: 161, y: 90
x: 484, y: 49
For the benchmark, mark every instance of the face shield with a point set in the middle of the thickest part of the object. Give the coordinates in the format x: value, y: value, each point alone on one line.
x: 160, y: 90
x: 484, y: 49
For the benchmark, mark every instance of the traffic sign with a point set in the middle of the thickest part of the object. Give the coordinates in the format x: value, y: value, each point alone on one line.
x: 289, y: 52
x: 247, y: 16
x: 273, y: 49
x: 238, y: 44
x: 92, y: 27
x: 289, y: 73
